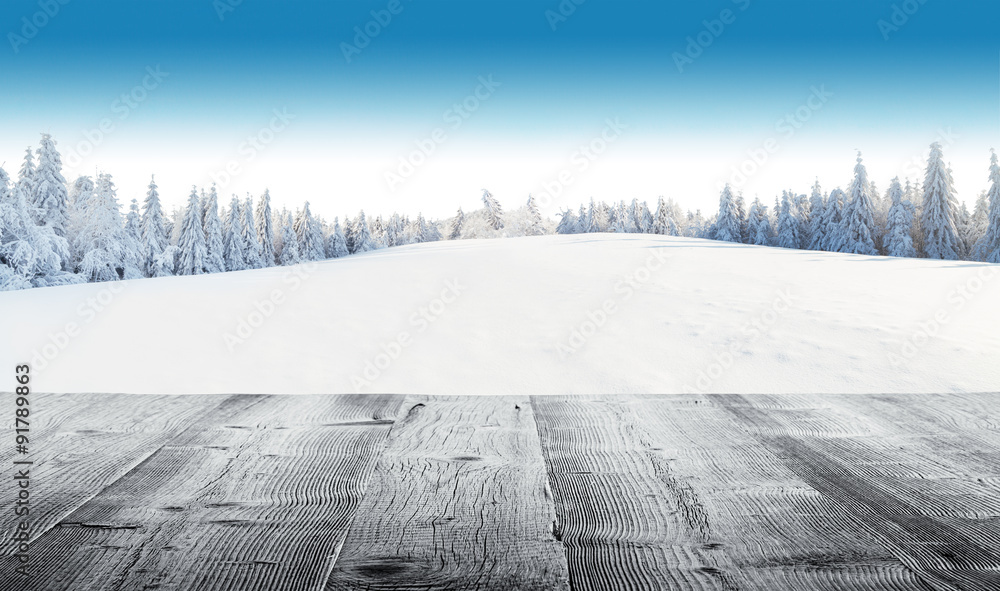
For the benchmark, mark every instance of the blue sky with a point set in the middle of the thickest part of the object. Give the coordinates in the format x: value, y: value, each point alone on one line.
x: 227, y: 67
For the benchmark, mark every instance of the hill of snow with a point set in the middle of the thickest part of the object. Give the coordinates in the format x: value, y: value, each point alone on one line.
x: 593, y: 313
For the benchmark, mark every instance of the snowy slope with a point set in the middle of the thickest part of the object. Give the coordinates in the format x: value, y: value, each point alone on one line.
x: 545, y: 315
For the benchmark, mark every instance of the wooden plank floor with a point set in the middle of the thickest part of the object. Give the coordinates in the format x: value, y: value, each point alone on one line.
x: 324, y: 493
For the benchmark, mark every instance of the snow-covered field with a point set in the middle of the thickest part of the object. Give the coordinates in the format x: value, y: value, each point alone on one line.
x: 593, y: 313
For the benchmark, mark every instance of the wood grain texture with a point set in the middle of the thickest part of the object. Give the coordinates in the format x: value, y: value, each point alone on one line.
x: 458, y: 501
x: 81, y: 443
x: 256, y: 494
x: 888, y: 476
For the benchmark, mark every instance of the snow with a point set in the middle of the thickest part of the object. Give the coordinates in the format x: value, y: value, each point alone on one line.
x: 499, y: 318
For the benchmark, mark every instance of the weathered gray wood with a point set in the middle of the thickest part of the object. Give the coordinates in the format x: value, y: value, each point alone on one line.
x: 80, y: 443
x: 888, y: 477
x: 670, y: 493
x: 257, y: 494
x: 458, y: 501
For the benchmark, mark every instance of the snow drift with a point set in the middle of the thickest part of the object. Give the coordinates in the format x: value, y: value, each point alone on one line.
x: 593, y: 313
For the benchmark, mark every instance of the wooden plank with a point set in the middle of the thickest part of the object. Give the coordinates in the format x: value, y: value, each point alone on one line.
x: 79, y: 443
x: 668, y: 493
x: 879, y: 475
x: 252, y: 496
x: 627, y: 519
x: 458, y: 501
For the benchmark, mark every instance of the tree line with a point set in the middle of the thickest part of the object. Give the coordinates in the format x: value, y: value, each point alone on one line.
x: 912, y: 220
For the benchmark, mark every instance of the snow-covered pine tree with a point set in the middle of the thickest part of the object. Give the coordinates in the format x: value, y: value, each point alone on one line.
x: 232, y: 239
x: 251, y: 244
x: 980, y: 221
x: 617, y: 220
x: 432, y: 233
x: 858, y: 217
x: 941, y: 240
x: 533, y: 226
x: 456, y: 226
x: 989, y: 244
x: 80, y: 193
x: 759, y: 230
x: 153, y: 234
x: 309, y: 235
x: 567, y: 222
x: 582, y: 221
x: 338, y: 244
x: 966, y: 231
x: 26, y: 182
x: 899, y: 224
x: 597, y: 218
x: 741, y: 216
x: 727, y: 223
x: 265, y: 231
x: 50, y: 194
x: 30, y: 255
x: 817, y: 211
x: 833, y: 222
x: 362, y: 235
x: 379, y: 235
x: 289, y: 243
x: 109, y: 253
x: 494, y: 213
x: 133, y: 225
x: 788, y: 223
x: 191, y: 243
x: 215, y: 261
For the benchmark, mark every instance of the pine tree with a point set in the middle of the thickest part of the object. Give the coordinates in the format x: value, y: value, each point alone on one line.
x: 980, y: 222
x: 663, y: 221
x: 133, y: 227
x: 338, y: 244
x: 534, y: 222
x: 251, y: 245
x: 567, y: 222
x: 817, y: 211
x: 26, y: 182
x: 215, y: 261
x: 456, y: 226
x: 899, y: 224
x: 494, y: 213
x: 582, y: 221
x: 617, y: 222
x: 989, y: 244
x: 362, y: 235
x: 858, y: 217
x: 80, y: 195
x: 966, y: 231
x: 788, y: 224
x: 30, y: 255
x: 109, y: 253
x: 191, y: 243
x: 758, y: 224
x: 741, y: 216
x: 232, y: 240
x: 50, y: 194
x: 941, y: 240
x: 833, y: 221
x: 727, y: 224
x: 309, y: 235
x: 265, y: 231
x: 289, y: 243
x: 153, y: 234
